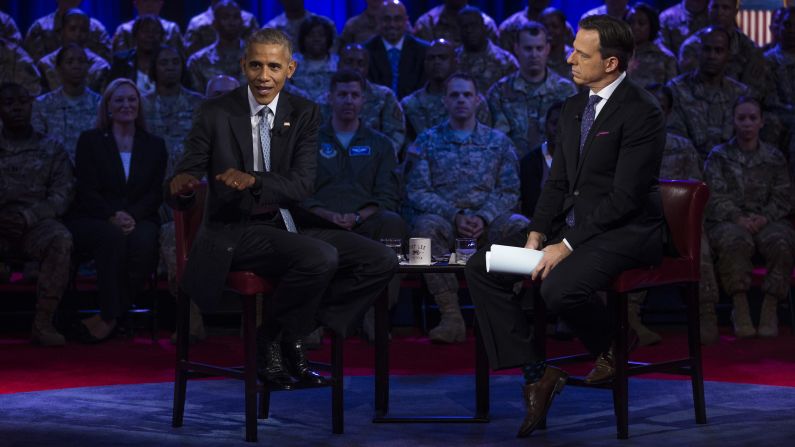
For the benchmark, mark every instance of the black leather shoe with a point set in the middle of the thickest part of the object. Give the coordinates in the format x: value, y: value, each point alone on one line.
x: 298, y: 365
x: 271, y: 369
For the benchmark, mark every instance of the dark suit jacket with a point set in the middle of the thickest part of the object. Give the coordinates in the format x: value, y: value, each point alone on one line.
x: 101, y: 187
x: 221, y: 139
x: 613, y: 187
x: 411, y: 66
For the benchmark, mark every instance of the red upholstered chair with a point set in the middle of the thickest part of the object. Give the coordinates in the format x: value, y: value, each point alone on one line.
x: 683, y: 204
x: 249, y: 287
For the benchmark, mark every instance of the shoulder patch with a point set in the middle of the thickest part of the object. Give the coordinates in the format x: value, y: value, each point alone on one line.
x: 327, y: 150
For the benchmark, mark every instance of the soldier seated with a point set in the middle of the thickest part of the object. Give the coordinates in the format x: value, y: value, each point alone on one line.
x: 36, y: 186
x: 746, y: 214
x: 464, y: 183
x: 356, y: 185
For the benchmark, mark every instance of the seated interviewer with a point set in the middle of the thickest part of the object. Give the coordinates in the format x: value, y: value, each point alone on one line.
x: 119, y: 168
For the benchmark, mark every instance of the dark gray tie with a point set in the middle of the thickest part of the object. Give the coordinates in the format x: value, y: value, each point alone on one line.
x: 265, y: 142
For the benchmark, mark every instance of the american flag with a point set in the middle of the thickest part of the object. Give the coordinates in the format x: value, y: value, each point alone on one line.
x: 755, y: 17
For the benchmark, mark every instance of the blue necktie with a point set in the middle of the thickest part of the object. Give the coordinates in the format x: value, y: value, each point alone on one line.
x: 394, y: 61
x: 585, y: 126
x: 265, y: 142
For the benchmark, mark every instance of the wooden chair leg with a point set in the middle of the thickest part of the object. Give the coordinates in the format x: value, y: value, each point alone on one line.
x: 250, y: 365
x: 181, y: 373
x: 621, y: 380
x: 154, y: 312
x: 791, y: 297
x: 481, y: 377
x: 337, y: 402
x: 694, y: 347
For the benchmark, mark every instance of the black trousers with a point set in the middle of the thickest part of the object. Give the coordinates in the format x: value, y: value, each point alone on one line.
x: 123, y: 261
x: 569, y: 291
x: 326, y: 276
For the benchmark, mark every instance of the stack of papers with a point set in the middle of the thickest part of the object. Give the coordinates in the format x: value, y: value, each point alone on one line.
x: 513, y: 260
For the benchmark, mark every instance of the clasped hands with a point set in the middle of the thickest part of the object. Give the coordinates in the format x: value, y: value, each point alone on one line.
x: 553, y: 254
x: 752, y: 222
x: 124, y: 221
x: 469, y: 226
x: 184, y: 184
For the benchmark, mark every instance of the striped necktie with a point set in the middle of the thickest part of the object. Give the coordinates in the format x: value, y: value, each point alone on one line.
x: 265, y: 145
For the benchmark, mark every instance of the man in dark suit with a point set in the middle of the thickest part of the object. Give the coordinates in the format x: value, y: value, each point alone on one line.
x: 258, y: 147
x: 599, y: 214
x: 397, y: 59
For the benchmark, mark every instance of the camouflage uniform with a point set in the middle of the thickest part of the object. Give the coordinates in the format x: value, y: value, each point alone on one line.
x: 17, y: 66
x: 424, y: 110
x: 381, y: 111
x: 359, y: 29
x: 210, y: 62
x: 478, y: 176
x: 200, y: 32
x: 509, y: 26
x: 677, y: 24
x: 434, y: 25
x: 44, y: 37
x: 780, y: 97
x: 9, y: 30
x: 64, y: 118
x: 291, y: 27
x: 743, y: 183
x: 652, y: 64
x: 171, y: 118
x: 558, y: 62
x: 314, y: 77
x: 519, y: 108
x: 36, y: 180
x: 96, y: 77
x: 746, y: 63
x: 702, y: 113
x: 123, y: 38
x: 487, y: 66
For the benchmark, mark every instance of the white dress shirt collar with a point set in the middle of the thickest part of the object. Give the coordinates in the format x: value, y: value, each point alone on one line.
x: 606, y: 93
x: 398, y: 45
x: 255, y: 107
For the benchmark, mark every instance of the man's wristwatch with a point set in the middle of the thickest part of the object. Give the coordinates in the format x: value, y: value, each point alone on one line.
x: 358, y: 218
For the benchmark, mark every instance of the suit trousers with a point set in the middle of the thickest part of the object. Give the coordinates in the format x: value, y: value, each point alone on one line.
x: 326, y: 276
x: 123, y: 261
x: 569, y: 290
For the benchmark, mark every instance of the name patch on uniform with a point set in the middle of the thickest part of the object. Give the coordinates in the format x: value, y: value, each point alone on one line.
x: 360, y: 151
x: 327, y: 150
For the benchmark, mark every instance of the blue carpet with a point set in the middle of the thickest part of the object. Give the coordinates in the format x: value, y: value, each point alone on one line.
x: 140, y: 415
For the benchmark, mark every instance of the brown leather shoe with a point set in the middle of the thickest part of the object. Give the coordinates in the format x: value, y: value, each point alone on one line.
x: 604, y: 368
x: 538, y: 398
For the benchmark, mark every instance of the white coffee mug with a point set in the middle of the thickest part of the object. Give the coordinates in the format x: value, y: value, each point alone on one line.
x: 420, y: 251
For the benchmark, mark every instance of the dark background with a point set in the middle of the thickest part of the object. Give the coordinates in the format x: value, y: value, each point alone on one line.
x: 113, y: 12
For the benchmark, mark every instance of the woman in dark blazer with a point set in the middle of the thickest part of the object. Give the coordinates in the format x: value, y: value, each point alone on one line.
x: 119, y: 169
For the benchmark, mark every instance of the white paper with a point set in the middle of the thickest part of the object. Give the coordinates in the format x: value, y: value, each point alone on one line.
x: 514, y: 260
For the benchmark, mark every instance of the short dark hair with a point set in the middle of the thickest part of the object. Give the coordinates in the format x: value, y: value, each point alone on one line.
x: 470, y: 10
x: 615, y: 37
x: 184, y: 79
x: 460, y: 75
x: 553, y: 12
x: 141, y: 20
x: 269, y: 36
x: 62, y: 52
x: 747, y: 100
x: 533, y: 28
x: 344, y: 76
x: 308, y: 25
x: 74, y: 13
x: 654, y: 18
x: 714, y: 29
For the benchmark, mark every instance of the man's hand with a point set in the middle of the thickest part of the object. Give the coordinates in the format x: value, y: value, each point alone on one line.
x: 183, y: 184
x: 469, y: 226
x: 235, y: 179
x: 747, y: 223
x: 758, y: 222
x: 347, y: 220
x: 124, y: 221
x: 535, y: 241
x: 553, y: 254
x: 12, y: 225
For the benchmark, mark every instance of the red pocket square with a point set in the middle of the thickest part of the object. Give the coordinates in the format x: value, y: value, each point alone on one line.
x: 602, y: 133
